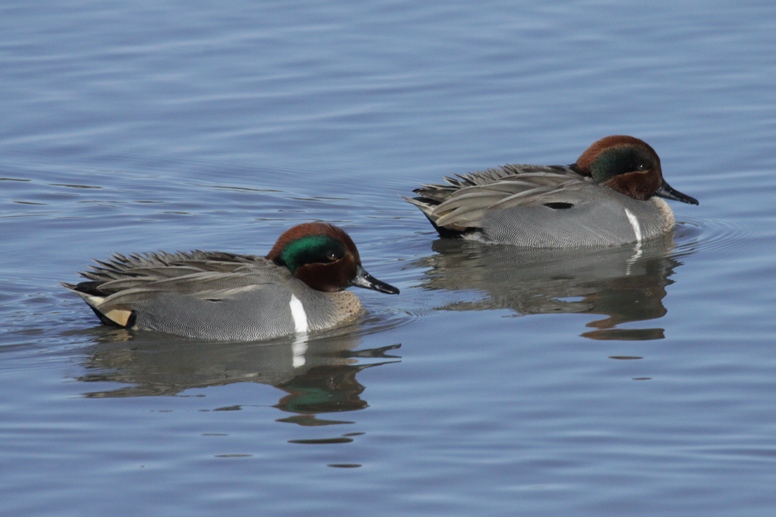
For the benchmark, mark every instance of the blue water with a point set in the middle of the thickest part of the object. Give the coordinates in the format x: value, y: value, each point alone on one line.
x: 620, y: 382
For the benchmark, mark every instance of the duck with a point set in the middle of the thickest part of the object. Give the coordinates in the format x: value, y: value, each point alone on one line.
x: 297, y: 288
x: 614, y: 194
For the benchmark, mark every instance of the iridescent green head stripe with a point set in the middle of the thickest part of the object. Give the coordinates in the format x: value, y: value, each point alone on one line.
x: 311, y: 249
x: 621, y: 160
x: 614, y: 155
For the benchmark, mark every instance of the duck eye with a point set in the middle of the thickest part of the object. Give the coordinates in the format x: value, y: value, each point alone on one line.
x: 331, y: 256
x: 641, y: 167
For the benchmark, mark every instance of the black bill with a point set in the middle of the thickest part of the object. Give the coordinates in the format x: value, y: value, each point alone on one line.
x: 367, y: 281
x: 668, y: 192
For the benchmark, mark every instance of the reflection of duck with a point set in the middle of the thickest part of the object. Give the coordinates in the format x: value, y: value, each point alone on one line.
x: 319, y: 375
x: 625, y: 283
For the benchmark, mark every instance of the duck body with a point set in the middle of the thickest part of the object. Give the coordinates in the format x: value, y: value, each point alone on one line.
x: 297, y: 288
x: 610, y: 196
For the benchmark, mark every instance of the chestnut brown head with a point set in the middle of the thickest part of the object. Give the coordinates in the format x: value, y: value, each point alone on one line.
x: 325, y: 258
x: 629, y: 166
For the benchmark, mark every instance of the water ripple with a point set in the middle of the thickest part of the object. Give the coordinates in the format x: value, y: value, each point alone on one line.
x: 723, y: 234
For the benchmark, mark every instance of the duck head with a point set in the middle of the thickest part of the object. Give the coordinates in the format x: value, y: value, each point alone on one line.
x: 629, y: 166
x: 325, y: 258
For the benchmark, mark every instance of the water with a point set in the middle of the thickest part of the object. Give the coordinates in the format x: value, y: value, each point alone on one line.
x: 623, y: 382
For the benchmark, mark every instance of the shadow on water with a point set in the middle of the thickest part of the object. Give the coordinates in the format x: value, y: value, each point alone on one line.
x: 623, y: 284
x: 317, y: 375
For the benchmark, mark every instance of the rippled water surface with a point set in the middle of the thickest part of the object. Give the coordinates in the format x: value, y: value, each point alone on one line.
x: 630, y: 381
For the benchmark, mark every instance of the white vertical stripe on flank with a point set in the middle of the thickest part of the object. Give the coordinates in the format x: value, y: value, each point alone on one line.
x: 299, y: 315
x: 634, y: 223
